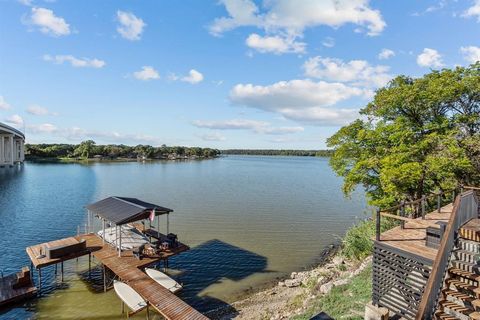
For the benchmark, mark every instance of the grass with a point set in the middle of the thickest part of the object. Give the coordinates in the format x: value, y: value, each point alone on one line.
x: 357, y: 243
x: 344, y: 302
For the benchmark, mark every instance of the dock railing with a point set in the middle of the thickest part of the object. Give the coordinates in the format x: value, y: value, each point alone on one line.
x: 415, y: 208
x: 464, y: 209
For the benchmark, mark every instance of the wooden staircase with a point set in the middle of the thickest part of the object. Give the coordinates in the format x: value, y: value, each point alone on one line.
x: 460, y: 297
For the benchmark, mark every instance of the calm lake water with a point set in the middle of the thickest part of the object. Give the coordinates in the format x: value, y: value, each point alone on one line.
x: 247, y: 219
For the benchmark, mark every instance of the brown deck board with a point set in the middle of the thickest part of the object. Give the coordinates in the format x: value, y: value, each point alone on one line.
x: 412, y: 238
x: 10, y: 295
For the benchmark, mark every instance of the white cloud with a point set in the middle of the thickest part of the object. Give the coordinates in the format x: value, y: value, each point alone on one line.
x: 301, y: 100
x: 48, y: 22
x: 15, y: 120
x: 357, y: 72
x: 39, y: 111
x: 328, y: 42
x: 4, y: 105
x: 42, y: 128
x: 75, y: 62
x: 147, y: 73
x: 473, y: 11
x: 193, y: 77
x: 215, y: 136
x: 131, y: 27
x: 28, y: 3
x: 471, y: 54
x: 289, y: 18
x: 261, y: 127
x: 430, y: 58
x: 275, y: 44
x: 78, y: 134
x: 386, y: 54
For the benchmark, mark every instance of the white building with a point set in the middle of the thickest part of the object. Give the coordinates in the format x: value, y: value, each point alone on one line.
x: 12, y: 146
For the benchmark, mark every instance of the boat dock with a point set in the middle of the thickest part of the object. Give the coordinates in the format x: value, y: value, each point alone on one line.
x: 129, y: 269
x: 127, y: 259
x: 11, y: 292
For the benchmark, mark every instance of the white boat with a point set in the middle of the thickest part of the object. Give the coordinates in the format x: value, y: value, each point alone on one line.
x: 163, y: 280
x: 130, y: 297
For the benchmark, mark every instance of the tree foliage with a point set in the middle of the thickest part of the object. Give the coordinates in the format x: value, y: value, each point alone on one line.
x: 88, y: 149
x: 418, y: 135
x: 273, y: 152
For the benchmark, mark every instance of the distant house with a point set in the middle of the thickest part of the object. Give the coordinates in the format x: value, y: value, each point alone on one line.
x: 12, y: 146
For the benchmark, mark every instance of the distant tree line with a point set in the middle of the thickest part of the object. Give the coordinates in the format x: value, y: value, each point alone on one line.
x: 272, y: 152
x: 89, y: 149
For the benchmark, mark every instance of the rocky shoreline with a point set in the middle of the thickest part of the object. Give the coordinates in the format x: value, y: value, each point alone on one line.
x: 293, y: 295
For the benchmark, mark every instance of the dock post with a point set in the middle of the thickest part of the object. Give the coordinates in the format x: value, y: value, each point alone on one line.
x: 39, y: 281
x: 89, y: 264
x: 61, y: 267
x: 104, y: 279
x: 55, y: 270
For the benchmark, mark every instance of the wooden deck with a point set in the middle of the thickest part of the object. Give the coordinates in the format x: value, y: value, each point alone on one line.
x: 10, y: 295
x: 412, y: 238
x: 34, y: 252
x: 129, y: 269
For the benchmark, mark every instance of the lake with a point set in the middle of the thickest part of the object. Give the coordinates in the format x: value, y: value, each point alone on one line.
x: 248, y: 220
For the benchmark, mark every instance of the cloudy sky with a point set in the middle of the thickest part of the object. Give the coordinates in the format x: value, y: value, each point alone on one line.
x: 219, y: 73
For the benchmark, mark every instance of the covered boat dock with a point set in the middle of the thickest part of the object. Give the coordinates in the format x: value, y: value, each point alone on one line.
x: 125, y: 223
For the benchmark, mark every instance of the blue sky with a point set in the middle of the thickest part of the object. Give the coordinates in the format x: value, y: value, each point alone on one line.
x: 224, y: 74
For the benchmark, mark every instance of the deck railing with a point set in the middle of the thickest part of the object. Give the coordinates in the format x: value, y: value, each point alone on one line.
x: 417, y: 207
x: 465, y: 208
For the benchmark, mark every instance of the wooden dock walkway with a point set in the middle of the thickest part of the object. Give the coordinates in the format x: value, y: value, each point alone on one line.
x: 129, y: 269
x: 9, y: 294
x: 412, y: 237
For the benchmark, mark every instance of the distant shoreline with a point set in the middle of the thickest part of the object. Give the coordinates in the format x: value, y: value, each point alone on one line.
x: 278, y: 152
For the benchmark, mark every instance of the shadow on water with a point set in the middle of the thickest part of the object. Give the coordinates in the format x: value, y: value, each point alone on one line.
x: 210, y: 263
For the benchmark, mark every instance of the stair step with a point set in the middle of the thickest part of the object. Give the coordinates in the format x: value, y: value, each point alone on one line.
x: 469, y: 269
x: 458, y: 311
x: 467, y: 256
x: 465, y: 274
x: 455, y: 284
x: 470, y: 230
x: 470, y: 246
x: 460, y: 298
x: 466, y: 266
x: 444, y: 316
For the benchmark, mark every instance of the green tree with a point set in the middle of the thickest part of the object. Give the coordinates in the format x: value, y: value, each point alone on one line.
x: 416, y: 136
x: 84, y: 149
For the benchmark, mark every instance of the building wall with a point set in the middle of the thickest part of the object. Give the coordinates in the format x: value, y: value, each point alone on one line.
x: 12, y: 147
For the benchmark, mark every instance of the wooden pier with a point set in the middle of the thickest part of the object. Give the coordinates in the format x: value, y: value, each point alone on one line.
x: 129, y: 269
x: 9, y: 293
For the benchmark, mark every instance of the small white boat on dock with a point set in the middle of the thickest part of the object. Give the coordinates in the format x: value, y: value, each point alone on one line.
x: 130, y: 297
x: 163, y: 280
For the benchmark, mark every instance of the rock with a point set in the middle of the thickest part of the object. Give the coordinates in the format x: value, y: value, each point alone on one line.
x: 325, y: 288
x: 291, y: 283
x: 281, y: 284
x: 340, y: 282
x: 375, y: 313
x: 320, y: 279
x: 293, y: 275
x: 337, y: 260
